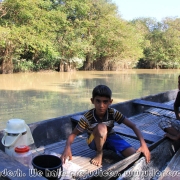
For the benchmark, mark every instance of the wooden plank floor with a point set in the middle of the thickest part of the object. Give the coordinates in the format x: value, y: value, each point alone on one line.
x: 162, y: 112
x: 82, y: 154
x: 147, y: 122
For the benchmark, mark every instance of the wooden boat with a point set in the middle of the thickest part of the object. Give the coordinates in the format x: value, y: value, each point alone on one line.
x: 50, y: 136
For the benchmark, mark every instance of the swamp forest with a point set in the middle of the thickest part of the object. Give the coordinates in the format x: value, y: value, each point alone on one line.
x: 69, y: 35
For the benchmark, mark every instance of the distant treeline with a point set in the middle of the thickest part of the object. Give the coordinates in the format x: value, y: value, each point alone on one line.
x: 66, y: 35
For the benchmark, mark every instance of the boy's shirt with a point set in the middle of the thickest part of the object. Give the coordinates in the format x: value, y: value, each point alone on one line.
x: 89, y: 120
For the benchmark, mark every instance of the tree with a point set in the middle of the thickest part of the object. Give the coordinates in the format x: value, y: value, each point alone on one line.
x: 29, y: 26
x: 70, y: 38
x: 162, y: 50
x: 111, y: 39
x: 172, y: 42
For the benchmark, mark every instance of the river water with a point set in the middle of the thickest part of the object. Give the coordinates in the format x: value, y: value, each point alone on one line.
x: 39, y: 96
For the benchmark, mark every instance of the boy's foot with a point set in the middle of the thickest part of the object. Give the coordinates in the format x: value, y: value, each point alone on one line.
x: 175, y: 138
x: 97, y: 160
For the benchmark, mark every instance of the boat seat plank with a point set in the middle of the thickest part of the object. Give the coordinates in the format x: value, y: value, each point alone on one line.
x: 153, y: 104
x: 150, y: 138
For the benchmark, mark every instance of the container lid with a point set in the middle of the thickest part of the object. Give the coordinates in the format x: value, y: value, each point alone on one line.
x: 15, y: 126
x: 22, y: 149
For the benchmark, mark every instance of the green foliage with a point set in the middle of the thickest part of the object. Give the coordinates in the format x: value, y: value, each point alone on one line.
x: 162, y: 45
x: 77, y: 61
x: 42, y: 33
x: 23, y: 66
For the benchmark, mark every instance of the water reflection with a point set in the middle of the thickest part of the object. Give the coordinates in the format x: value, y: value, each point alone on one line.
x: 38, y: 96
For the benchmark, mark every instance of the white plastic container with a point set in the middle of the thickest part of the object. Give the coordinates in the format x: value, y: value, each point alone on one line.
x: 17, y: 133
x: 23, y: 154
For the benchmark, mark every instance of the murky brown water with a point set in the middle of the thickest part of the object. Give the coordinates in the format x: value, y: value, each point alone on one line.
x: 38, y: 96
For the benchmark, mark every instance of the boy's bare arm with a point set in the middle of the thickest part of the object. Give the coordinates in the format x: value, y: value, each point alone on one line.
x: 144, y: 149
x: 67, y: 150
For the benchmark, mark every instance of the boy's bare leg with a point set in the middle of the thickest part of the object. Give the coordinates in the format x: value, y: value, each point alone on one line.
x: 172, y: 133
x: 172, y: 137
x: 128, y: 152
x: 100, y: 135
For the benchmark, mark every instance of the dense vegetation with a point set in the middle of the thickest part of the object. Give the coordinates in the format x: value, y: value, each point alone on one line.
x: 82, y: 34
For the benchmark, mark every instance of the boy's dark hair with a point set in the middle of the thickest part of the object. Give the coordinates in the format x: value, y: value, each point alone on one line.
x: 102, y: 90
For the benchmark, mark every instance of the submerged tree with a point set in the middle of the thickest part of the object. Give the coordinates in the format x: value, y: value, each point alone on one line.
x: 31, y: 32
x: 85, y: 34
x: 111, y: 39
x: 161, y: 48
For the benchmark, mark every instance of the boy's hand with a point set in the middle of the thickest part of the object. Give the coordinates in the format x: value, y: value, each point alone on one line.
x: 66, y: 154
x: 144, y: 149
x: 67, y: 151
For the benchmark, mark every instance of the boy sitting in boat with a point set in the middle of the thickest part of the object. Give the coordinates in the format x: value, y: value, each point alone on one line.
x: 99, y: 123
x: 172, y: 127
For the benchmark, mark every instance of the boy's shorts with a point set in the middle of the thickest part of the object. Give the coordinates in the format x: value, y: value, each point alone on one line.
x: 113, y: 142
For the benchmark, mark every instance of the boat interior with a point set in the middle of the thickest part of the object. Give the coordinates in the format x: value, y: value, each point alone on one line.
x: 147, y: 122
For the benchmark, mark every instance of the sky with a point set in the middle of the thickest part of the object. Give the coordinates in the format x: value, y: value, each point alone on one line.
x: 158, y: 9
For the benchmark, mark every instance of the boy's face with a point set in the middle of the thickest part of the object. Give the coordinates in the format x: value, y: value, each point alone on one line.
x: 101, y: 104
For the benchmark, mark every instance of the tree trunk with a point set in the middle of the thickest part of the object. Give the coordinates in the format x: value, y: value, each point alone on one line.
x: 6, y: 62
x: 66, y: 67
x: 87, y: 64
x: 7, y: 66
x: 102, y: 64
